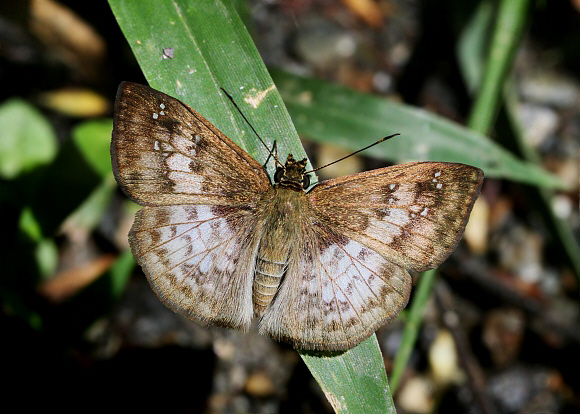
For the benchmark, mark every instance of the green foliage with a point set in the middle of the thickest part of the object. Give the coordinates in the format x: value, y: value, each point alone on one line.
x: 26, y: 139
x: 45, y: 187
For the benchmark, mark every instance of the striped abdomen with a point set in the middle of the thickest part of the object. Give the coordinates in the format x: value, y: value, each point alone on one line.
x: 278, y: 238
x: 267, y: 278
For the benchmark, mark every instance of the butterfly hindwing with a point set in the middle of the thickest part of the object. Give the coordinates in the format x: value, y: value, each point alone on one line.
x: 200, y: 260
x: 166, y: 153
x: 336, y: 293
x: 413, y: 214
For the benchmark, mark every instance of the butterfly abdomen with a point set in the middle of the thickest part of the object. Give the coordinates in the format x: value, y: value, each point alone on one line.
x: 281, y: 218
x: 267, y: 278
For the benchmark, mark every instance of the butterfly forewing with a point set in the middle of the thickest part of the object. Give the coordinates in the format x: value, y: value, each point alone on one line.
x: 164, y: 152
x: 413, y: 214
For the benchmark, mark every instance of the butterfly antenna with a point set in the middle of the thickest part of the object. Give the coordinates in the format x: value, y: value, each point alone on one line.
x: 356, y: 152
x: 248, y: 122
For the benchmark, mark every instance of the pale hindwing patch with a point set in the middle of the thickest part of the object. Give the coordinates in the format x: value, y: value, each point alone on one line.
x: 164, y: 153
x: 200, y: 260
x: 336, y: 293
x: 414, y: 213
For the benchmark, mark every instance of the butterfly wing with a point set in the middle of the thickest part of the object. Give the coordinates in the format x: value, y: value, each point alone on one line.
x: 336, y: 293
x: 347, y: 273
x: 412, y: 214
x: 164, y: 152
x: 196, y: 239
x: 200, y: 260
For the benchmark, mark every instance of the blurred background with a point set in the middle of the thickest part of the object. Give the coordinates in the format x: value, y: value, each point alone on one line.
x: 82, y: 330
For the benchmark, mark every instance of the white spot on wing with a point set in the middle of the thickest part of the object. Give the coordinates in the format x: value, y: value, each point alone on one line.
x: 155, y: 116
x: 439, y: 185
x: 389, y: 227
x: 178, y: 162
x: 399, y: 216
x: 181, y: 144
x: 186, y: 183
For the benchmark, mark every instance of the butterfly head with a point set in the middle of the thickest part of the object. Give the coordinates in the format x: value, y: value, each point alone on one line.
x: 292, y: 174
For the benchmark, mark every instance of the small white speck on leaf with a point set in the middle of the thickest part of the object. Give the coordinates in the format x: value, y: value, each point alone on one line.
x: 255, y: 97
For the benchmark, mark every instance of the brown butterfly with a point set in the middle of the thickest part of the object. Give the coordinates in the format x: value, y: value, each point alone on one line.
x: 220, y: 244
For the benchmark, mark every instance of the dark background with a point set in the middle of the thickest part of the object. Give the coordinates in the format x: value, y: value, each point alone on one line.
x: 519, y: 334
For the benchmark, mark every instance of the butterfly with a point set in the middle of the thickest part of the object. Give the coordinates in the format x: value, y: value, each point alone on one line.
x: 322, y: 268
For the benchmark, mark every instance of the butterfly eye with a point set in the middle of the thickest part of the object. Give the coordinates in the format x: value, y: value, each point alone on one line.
x: 278, y: 175
x: 305, y: 181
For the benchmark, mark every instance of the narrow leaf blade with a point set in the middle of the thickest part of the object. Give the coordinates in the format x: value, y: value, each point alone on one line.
x: 349, y: 380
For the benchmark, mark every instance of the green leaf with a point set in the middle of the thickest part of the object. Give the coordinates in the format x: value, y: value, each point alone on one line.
x: 45, y: 252
x: 348, y: 381
x: 92, y: 209
x: 82, y: 164
x: 471, y: 46
x: 212, y: 49
x: 93, y: 140
x: 333, y: 114
x: 509, y: 29
x: 120, y: 273
x: 29, y: 226
x: 412, y: 324
x: 26, y: 139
